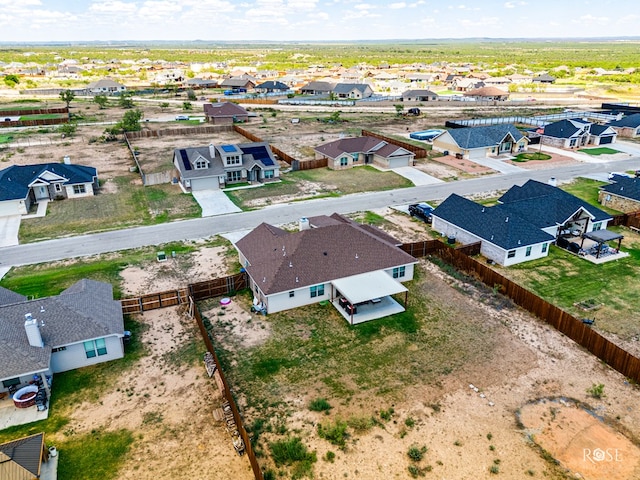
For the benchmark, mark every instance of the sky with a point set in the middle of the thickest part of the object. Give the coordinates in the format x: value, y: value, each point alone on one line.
x: 312, y: 20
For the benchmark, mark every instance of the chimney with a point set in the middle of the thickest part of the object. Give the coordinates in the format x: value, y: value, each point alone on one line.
x: 553, y: 182
x: 212, y: 150
x: 33, y: 331
x: 304, y: 224
x: 67, y: 160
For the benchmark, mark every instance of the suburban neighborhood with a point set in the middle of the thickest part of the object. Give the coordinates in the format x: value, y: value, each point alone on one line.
x: 250, y: 263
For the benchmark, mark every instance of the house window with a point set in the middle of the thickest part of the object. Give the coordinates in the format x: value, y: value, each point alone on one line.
x: 269, y: 174
x: 597, y: 226
x: 201, y: 164
x: 11, y: 382
x: 235, y: 176
x: 58, y: 349
x: 344, y: 161
x: 356, y: 157
x: 398, y: 272
x: 77, y: 189
x: 544, y: 247
x: 528, y: 252
x: 317, y: 291
x: 94, y: 348
x: 233, y: 160
x: 572, y: 143
x: 58, y: 187
x: 292, y: 294
x: 511, y: 253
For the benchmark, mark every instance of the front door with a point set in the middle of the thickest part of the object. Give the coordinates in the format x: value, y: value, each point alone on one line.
x: 42, y: 193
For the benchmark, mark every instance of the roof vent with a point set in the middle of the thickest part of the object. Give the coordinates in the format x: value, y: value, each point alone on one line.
x: 356, y: 255
x: 296, y: 279
x: 519, y: 242
x: 290, y: 264
x: 482, y: 209
x: 506, y: 219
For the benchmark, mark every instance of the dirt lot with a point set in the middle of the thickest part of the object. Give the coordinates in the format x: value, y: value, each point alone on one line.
x: 466, y: 418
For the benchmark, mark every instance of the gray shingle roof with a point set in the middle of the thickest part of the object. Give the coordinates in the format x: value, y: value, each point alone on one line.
x: 84, y: 311
x: 632, y: 121
x: 564, y: 128
x: 272, y: 85
x: 482, y: 137
x: 8, y: 297
x: 493, y: 224
x: 365, y: 144
x: 545, y: 205
x: 624, y: 186
x: 281, y: 261
x: 346, y: 88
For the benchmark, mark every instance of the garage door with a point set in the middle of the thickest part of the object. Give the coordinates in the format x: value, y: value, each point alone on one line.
x: 211, y: 183
x: 605, y: 140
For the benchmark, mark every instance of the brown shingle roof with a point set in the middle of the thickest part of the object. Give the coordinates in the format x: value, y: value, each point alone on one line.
x: 281, y: 261
x: 223, y: 109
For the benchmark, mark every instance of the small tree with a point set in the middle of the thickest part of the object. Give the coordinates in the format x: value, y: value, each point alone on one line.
x: 399, y: 109
x: 67, y: 97
x: 125, y: 100
x: 131, y: 120
x: 11, y: 80
x: 101, y: 100
x: 164, y: 105
x: 187, y: 106
x: 191, y: 95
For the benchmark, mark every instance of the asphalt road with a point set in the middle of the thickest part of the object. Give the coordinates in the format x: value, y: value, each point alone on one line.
x: 85, y: 245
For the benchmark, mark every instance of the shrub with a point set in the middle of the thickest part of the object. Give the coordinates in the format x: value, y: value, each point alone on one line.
x: 416, y: 453
x: 596, y: 390
x: 330, y: 456
x: 410, y: 422
x: 415, y: 471
x: 290, y: 451
x: 494, y: 469
x: 361, y: 424
x: 334, y: 433
x: 319, y: 405
x: 386, y: 414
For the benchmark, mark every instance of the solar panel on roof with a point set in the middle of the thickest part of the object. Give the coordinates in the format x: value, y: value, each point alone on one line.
x: 259, y: 153
x: 185, y: 159
x: 228, y: 148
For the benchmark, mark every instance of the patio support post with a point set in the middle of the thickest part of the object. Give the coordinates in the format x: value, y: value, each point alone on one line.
x: 406, y: 299
x: 43, y: 377
x: 619, y: 244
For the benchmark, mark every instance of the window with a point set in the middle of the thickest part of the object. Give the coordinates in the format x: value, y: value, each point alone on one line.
x: 77, y: 189
x: 268, y: 174
x: 544, y: 247
x: 233, y: 160
x: 398, y: 272
x: 572, y: 143
x: 234, y: 176
x: 597, y: 226
x: 317, y: 291
x: 356, y: 157
x: 58, y: 349
x: 58, y: 187
x: 95, y: 347
x: 344, y: 161
x: 511, y: 253
x: 201, y: 164
x: 292, y: 294
x: 11, y: 382
x: 528, y: 252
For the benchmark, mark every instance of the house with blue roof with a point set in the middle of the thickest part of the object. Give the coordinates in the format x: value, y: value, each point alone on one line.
x: 627, y: 126
x: 622, y: 194
x: 216, y: 166
x: 526, y: 220
x: 22, y: 186
x: 481, y: 142
x: 577, y: 133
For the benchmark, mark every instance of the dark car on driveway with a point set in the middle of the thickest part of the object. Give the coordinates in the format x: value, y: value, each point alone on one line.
x: 422, y: 211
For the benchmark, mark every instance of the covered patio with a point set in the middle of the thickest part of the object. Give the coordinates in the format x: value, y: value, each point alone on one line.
x: 593, y: 246
x: 10, y: 415
x: 365, y: 297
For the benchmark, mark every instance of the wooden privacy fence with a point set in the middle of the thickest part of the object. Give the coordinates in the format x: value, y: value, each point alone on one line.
x: 35, y: 123
x: 167, y: 132
x: 33, y: 111
x: 575, y: 329
x: 418, y: 151
x: 218, y: 286
x: 226, y: 391
x: 297, y: 165
x: 153, y: 301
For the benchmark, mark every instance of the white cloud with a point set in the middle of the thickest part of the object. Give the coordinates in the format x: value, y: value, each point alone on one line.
x: 365, y: 6
x: 302, y: 4
x: 509, y: 5
x: 17, y: 4
x: 398, y: 5
x: 113, y: 6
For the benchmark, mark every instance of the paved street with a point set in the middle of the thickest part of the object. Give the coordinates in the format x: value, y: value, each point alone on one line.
x: 279, y: 214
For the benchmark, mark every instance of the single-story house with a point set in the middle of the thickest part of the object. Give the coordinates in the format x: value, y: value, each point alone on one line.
x: 225, y: 113
x: 627, y: 126
x: 576, y: 133
x: 356, y: 151
x: 487, y: 93
x: 201, y: 83
x: 622, y: 194
x: 271, y: 87
x: 21, y: 186
x: 465, y: 84
x: 544, y: 78
x: 481, y: 142
x: 521, y: 227
x: 82, y: 326
x: 216, y: 166
x: 505, y: 238
x: 243, y: 81
x: 22, y: 459
x: 419, y: 96
x: 331, y: 258
x: 352, y: 90
x: 104, y: 86
x: 317, y: 88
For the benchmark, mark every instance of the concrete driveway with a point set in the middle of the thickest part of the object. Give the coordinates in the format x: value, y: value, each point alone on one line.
x: 214, y: 202
x: 9, y: 227
x: 416, y: 176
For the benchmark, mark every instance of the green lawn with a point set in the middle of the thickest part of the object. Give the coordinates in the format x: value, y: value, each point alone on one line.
x: 329, y: 183
x: 132, y: 205
x: 587, y: 189
x: 42, y: 116
x: 524, y: 157
x: 599, y: 151
x: 5, y: 138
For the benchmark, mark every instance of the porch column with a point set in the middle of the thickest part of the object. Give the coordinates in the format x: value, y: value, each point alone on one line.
x: 406, y: 298
x: 43, y: 377
x: 619, y: 243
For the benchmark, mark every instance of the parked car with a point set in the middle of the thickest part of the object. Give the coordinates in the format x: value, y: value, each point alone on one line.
x: 422, y: 211
x: 182, y: 117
